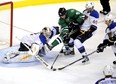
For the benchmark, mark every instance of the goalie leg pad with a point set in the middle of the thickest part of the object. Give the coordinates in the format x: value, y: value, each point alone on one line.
x: 19, y: 57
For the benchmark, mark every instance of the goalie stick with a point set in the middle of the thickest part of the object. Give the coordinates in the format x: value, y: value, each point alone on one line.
x: 39, y: 58
x: 74, y: 61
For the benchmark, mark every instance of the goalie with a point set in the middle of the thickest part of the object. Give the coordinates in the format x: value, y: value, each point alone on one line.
x: 31, y: 45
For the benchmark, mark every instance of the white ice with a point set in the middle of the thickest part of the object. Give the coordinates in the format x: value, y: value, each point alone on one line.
x: 33, y: 19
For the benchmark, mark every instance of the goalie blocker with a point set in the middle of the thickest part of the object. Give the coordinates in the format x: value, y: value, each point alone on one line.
x: 31, y: 45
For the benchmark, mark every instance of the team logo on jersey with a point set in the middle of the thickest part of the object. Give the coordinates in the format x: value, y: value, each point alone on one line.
x: 72, y: 10
x: 77, y: 13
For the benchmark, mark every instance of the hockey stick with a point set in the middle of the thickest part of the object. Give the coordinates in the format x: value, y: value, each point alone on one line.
x: 74, y: 61
x: 54, y: 61
x: 56, y: 58
x: 39, y: 58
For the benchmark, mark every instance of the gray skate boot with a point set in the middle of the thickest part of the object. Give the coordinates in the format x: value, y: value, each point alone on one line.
x: 72, y: 52
x: 85, y: 59
x: 69, y: 51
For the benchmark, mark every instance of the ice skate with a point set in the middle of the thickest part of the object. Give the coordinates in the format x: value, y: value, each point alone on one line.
x: 85, y: 60
x: 72, y: 52
x: 69, y: 52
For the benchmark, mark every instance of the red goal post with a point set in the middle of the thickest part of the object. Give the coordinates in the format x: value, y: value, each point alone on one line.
x: 3, y: 7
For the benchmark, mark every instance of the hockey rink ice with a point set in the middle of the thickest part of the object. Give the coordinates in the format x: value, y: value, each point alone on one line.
x: 32, y: 19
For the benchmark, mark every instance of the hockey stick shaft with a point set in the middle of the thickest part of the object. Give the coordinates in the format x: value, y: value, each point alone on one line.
x: 56, y: 58
x: 54, y: 61
x: 42, y: 61
x: 75, y: 61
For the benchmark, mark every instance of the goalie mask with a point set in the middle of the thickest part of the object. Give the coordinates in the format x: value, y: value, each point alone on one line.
x: 46, y: 31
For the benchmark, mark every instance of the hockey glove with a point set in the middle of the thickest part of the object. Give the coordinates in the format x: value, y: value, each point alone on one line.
x: 57, y: 29
x: 105, y: 43
x: 90, y: 31
x: 73, y: 25
x: 66, y: 38
x: 100, y: 48
x: 109, y: 42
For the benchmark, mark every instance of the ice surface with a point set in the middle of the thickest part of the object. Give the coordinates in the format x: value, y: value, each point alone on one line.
x: 33, y: 19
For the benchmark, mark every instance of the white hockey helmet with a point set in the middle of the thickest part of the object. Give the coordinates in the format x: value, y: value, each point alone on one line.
x: 89, y: 5
x: 108, y: 17
x: 108, y: 70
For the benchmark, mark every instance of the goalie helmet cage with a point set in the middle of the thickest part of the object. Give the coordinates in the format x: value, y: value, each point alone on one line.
x: 6, y: 23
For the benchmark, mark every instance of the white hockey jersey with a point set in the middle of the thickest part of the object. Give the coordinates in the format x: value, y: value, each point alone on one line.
x: 111, y: 29
x: 92, y: 20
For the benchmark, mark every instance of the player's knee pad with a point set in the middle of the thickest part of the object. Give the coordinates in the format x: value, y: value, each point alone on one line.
x: 18, y: 57
x: 81, y: 49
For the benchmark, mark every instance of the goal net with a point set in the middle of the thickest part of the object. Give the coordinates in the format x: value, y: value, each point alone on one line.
x: 6, y: 24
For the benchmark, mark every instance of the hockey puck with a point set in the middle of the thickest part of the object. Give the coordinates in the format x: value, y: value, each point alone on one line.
x: 114, y: 62
x: 51, y: 67
x: 54, y: 69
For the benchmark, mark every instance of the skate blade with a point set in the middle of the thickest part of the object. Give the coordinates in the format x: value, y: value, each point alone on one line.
x: 85, y: 63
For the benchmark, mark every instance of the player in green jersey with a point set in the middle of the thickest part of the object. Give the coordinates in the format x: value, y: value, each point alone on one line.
x: 70, y: 21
